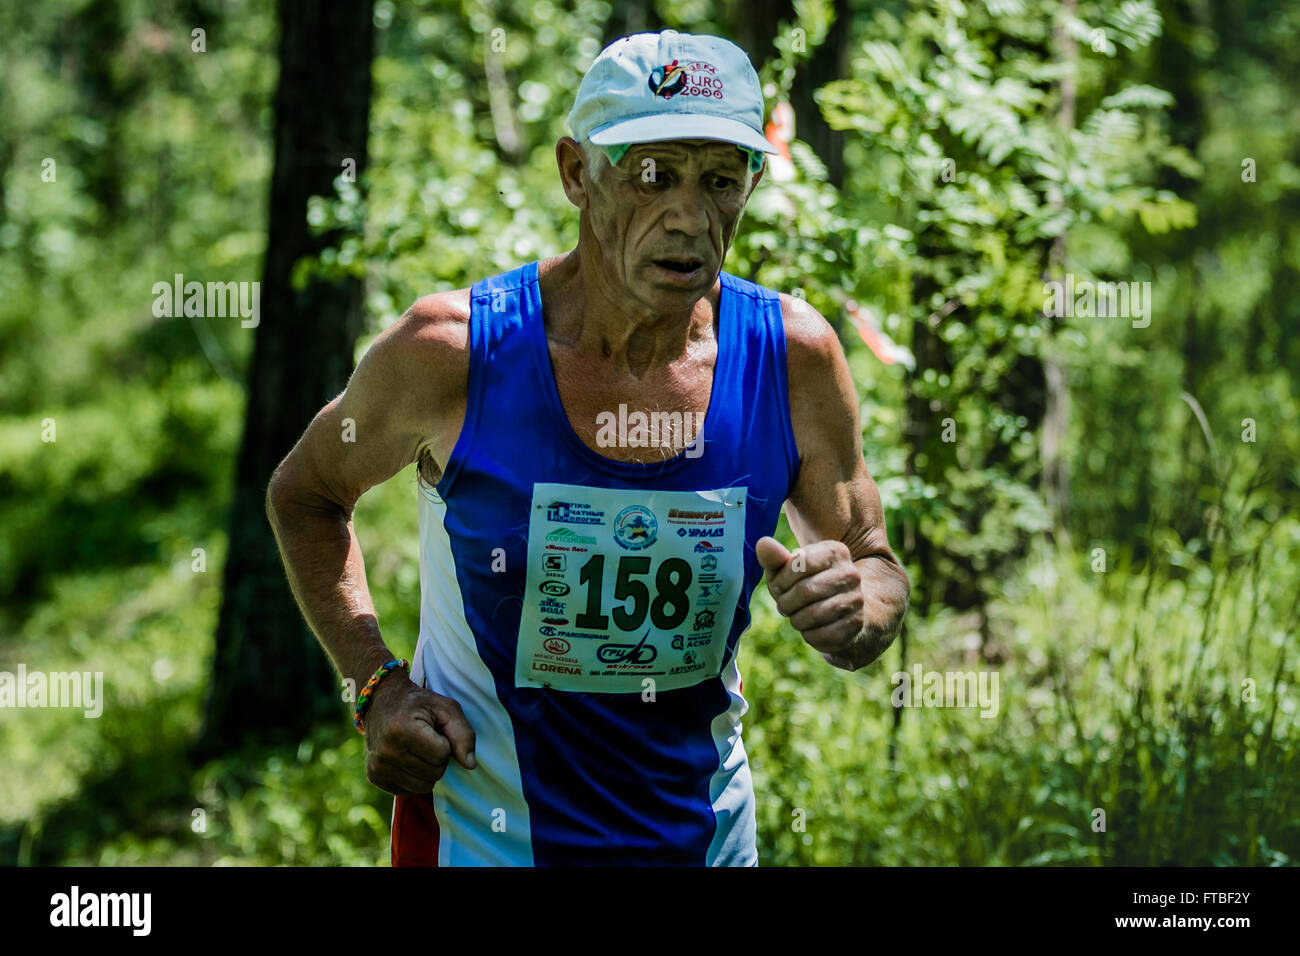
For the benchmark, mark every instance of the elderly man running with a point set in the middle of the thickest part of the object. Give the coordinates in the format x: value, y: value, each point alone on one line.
x: 605, y: 440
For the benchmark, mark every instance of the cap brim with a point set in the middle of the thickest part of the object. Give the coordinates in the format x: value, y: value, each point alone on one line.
x: 664, y: 126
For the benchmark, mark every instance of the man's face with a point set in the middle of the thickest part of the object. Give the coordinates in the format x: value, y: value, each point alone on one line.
x: 664, y: 217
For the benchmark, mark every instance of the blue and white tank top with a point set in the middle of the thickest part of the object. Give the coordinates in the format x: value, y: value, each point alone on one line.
x: 585, y: 612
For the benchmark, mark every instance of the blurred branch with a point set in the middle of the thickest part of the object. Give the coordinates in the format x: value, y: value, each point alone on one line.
x: 505, y: 122
x: 212, y: 349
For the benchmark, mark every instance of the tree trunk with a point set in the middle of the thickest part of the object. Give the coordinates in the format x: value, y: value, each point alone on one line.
x: 755, y: 27
x: 829, y: 62
x: 271, y: 680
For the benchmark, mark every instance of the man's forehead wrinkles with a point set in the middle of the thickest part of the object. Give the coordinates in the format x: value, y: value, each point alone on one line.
x: 713, y: 153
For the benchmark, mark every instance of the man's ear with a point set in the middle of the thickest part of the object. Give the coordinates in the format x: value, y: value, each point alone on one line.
x: 757, y: 177
x: 571, y: 163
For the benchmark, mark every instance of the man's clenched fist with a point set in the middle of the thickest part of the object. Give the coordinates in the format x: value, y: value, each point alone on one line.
x: 819, y: 589
x: 411, y: 734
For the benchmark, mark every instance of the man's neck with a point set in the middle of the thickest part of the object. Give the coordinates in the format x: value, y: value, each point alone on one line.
x: 584, y: 312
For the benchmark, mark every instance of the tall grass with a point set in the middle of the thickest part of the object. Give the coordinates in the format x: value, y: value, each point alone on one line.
x: 1147, y: 716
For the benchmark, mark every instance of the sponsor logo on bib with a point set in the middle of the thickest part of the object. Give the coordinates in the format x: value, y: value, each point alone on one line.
x: 636, y: 527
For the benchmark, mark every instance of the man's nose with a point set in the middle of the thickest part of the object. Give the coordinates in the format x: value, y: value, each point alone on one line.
x: 688, y: 212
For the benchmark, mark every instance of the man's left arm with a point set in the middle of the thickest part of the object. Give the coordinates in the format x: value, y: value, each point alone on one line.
x: 844, y: 589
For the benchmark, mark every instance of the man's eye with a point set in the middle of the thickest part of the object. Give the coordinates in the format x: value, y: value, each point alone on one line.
x: 724, y: 182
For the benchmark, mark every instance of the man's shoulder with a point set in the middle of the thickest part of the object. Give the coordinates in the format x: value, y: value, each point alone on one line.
x: 439, y: 322
x: 811, y: 345
x: 821, y: 391
x: 431, y: 312
x: 434, y: 328
x: 809, y: 337
x: 426, y: 349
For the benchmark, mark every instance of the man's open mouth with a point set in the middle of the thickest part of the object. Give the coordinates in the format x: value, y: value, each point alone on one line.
x: 679, y: 265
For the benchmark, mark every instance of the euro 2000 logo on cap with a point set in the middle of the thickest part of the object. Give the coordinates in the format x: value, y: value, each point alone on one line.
x: 689, y: 79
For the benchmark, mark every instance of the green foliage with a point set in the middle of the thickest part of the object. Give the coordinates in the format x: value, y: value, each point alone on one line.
x: 309, y: 808
x: 955, y: 127
x: 445, y: 199
x: 1158, y: 695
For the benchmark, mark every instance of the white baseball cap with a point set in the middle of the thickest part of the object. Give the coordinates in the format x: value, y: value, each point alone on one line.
x: 668, y: 85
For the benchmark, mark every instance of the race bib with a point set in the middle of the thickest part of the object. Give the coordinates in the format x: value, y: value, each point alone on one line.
x: 627, y: 584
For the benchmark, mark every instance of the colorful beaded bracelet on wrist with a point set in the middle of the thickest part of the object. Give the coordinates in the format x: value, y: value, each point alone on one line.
x: 363, y: 699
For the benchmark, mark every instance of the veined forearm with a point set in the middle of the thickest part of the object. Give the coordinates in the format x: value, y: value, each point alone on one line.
x: 327, y: 574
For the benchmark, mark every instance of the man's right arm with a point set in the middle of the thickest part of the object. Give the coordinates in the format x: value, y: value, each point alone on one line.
x: 405, y: 400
